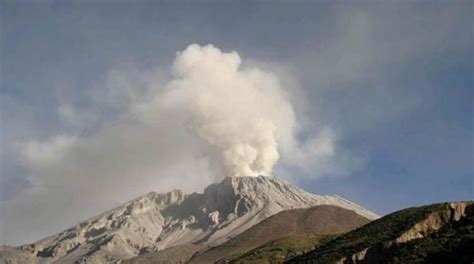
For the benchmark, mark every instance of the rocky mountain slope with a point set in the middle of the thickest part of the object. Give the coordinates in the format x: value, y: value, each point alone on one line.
x: 159, y: 221
x: 318, y: 220
x: 176, y: 254
x: 439, y: 233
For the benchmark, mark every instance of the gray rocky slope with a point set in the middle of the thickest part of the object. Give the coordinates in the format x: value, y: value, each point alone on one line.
x: 158, y: 221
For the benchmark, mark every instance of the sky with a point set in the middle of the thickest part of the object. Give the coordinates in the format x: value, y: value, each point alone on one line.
x: 105, y: 101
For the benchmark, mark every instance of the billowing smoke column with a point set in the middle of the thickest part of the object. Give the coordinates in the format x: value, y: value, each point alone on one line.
x: 240, y: 112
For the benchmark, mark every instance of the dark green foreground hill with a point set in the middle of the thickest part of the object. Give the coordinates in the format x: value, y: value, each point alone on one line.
x: 439, y: 233
x: 280, y: 250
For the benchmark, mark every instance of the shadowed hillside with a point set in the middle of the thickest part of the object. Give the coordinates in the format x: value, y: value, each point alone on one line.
x: 317, y: 220
x: 282, y: 249
x: 438, y: 233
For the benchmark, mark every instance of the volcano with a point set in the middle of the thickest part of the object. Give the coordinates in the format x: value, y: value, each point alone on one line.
x: 157, y: 221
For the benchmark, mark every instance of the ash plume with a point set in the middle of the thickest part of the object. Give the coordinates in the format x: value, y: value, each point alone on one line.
x: 211, y: 117
x: 237, y: 111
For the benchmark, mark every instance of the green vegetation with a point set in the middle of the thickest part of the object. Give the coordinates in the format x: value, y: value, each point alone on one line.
x: 281, y: 250
x: 454, y: 243
x: 450, y: 244
x: 383, y: 229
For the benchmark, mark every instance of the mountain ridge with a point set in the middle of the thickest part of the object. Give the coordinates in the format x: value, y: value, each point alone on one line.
x: 411, y: 235
x: 157, y: 221
x: 321, y: 220
x: 316, y: 220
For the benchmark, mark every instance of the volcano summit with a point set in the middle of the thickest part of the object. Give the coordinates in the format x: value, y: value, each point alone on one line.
x: 155, y: 221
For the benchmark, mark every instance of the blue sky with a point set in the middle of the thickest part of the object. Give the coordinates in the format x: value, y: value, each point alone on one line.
x: 394, y: 81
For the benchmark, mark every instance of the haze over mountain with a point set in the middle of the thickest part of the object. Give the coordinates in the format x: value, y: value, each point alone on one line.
x: 159, y: 221
x: 129, y: 131
x: 210, y: 117
x: 101, y: 103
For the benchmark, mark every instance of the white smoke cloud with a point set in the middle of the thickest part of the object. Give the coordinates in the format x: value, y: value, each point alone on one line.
x: 237, y: 111
x: 240, y: 119
x: 211, y: 118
